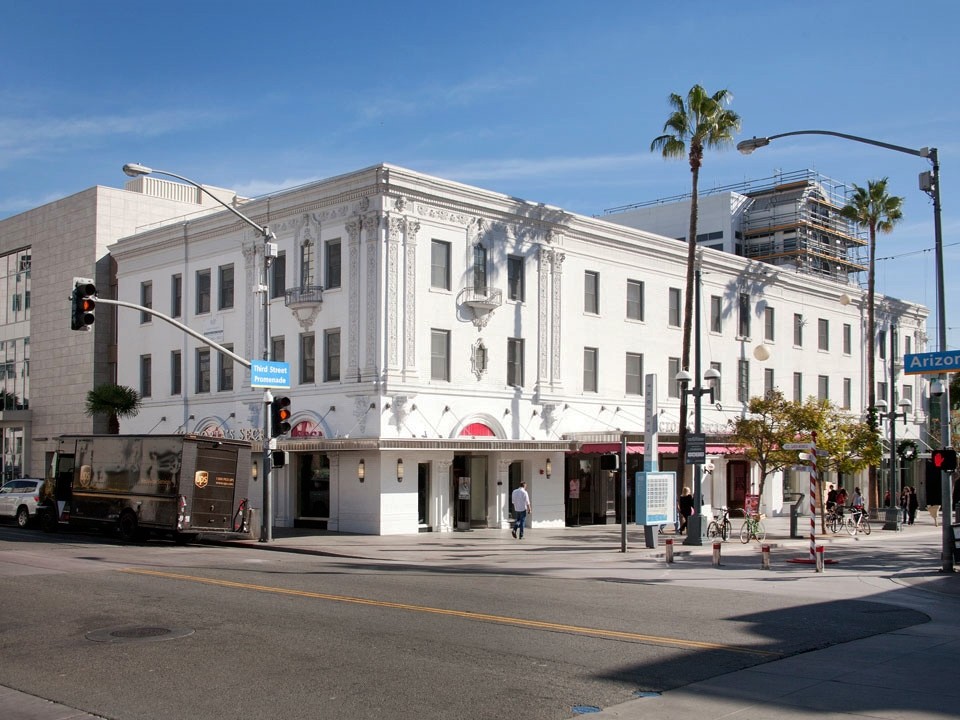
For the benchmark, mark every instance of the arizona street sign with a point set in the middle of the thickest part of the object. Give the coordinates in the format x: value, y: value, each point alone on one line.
x: 931, y: 363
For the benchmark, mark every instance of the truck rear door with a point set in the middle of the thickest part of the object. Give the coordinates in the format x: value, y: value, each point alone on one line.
x: 214, y: 483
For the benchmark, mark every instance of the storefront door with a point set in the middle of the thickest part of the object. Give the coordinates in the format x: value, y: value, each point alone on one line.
x: 313, y: 486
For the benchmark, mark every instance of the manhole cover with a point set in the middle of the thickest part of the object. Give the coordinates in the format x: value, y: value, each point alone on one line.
x: 137, y: 633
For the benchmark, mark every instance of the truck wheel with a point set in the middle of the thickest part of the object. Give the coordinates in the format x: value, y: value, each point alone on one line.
x: 128, y: 527
x: 23, y: 516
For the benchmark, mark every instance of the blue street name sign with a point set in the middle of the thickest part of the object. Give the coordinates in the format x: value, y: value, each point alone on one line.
x: 270, y: 374
x: 932, y: 363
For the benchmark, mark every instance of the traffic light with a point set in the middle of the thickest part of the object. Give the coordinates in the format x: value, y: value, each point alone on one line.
x: 280, y: 413
x: 873, y: 419
x: 82, y: 304
x: 945, y: 460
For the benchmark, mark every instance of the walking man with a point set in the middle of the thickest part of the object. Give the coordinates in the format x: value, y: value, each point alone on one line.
x: 521, y: 506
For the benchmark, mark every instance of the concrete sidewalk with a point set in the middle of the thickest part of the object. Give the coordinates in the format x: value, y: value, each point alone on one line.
x: 909, y: 674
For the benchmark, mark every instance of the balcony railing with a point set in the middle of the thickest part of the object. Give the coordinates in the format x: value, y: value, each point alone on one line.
x: 484, y: 298
x: 304, y: 296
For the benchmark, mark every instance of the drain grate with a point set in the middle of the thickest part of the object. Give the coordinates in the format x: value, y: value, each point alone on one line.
x: 137, y: 633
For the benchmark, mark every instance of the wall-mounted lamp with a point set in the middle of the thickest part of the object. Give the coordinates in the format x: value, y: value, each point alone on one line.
x: 399, y: 469
x: 254, y: 470
x: 386, y: 406
x: 549, y: 468
x: 506, y: 412
x: 361, y: 470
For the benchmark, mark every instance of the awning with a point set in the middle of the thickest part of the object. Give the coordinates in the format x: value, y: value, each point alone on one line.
x: 662, y: 449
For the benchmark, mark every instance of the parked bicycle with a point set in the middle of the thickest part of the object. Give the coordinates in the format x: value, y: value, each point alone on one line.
x: 753, y: 529
x: 858, y: 521
x: 720, y: 526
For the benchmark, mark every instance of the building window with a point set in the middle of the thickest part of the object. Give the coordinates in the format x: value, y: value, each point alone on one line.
x: 908, y: 393
x: 882, y: 340
x: 225, y: 371
x: 716, y: 314
x: 331, y: 355
x: 440, y: 355
x: 847, y: 339
x: 225, y: 299
x: 591, y: 292
x: 176, y: 372
x: 769, y: 324
x: 278, y: 276
x: 203, y: 291
x: 634, y: 379
x: 590, y: 369
x: 823, y: 388
x: 823, y: 334
x: 306, y: 263
x: 743, y: 380
x: 308, y: 358
x: 768, y: 385
x: 176, y: 295
x: 203, y: 370
x: 440, y: 264
x: 146, y: 299
x: 715, y: 382
x: 798, y: 329
x: 146, y: 376
x: 907, y: 345
x: 278, y: 348
x: 798, y: 387
x: 673, y: 387
x: 332, y: 270
x: 743, y: 315
x: 847, y: 393
x: 515, y: 280
x: 673, y: 311
x: 634, y: 300
x: 514, y: 362
x: 881, y: 391
x: 479, y: 268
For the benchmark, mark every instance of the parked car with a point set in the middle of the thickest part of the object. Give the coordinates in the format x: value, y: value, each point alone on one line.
x: 19, y: 498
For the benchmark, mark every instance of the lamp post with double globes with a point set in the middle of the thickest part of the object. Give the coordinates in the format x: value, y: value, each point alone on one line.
x: 696, y: 525
x: 930, y: 184
x: 269, y: 252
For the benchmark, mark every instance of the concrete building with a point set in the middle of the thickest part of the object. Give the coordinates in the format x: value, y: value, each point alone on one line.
x: 446, y: 342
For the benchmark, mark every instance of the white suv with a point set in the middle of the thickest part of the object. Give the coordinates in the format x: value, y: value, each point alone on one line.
x: 19, y: 498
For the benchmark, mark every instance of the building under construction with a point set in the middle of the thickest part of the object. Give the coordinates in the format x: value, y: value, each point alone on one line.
x: 791, y: 219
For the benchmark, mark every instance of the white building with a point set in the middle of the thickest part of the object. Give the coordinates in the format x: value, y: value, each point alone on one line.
x: 438, y: 332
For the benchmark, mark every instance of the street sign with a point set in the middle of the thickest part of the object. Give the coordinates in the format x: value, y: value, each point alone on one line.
x: 696, y: 453
x: 931, y: 363
x: 799, y: 446
x: 270, y: 374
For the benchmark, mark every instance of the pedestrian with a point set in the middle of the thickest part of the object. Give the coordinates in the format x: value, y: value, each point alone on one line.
x: 521, y: 506
x: 886, y: 499
x: 831, y: 497
x: 912, y: 505
x: 904, y: 501
x: 841, y: 497
x: 685, y: 506
x: 857, y: 504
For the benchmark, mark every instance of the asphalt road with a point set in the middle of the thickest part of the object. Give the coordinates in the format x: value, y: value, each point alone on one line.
x: 212, y: 632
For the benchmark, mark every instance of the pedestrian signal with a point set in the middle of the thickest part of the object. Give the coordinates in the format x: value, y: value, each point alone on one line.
x: 945, y: 460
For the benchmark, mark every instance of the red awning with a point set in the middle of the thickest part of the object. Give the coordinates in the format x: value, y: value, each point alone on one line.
x: 476, y: 430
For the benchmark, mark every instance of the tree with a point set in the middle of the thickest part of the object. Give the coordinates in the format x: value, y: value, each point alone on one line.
x: 114, y: 401
x: 770, y: 423
x: 702, y: 121
x: 873, y: 208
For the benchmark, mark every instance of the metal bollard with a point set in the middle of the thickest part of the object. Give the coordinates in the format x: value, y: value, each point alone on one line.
x: 765, y: 557
x: 669, y: 544
x: 716, y: 554
x: 819, y: 558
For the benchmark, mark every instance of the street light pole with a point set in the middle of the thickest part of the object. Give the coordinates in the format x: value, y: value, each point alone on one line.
x: 269, y: 252
x: 930, y: 184
x: 695, y: 525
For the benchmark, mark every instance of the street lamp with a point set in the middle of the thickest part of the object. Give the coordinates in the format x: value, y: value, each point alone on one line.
x: 269, y: 252
x: 930, y: 184
x: 695, y: 525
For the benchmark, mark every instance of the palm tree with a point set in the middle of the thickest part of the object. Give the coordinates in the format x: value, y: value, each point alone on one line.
x: 114, y: 401
x: 703, y: 121
x: 873, y: 208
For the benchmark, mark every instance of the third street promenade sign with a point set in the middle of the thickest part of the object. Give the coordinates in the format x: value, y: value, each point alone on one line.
x: 932, y: 363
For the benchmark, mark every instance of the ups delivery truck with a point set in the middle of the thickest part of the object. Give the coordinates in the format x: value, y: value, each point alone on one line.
x: 173, y: 485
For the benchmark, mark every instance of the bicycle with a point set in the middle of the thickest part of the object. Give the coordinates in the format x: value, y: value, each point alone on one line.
x: 835, y: 519
x: 720, y: 526
x: 858, y: 522
x: 753, y: 528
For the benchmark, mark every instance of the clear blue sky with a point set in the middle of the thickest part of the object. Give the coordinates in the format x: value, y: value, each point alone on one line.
x: 551, y: 101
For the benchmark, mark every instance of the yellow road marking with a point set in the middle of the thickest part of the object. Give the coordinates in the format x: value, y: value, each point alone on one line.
x: 501, y: 619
